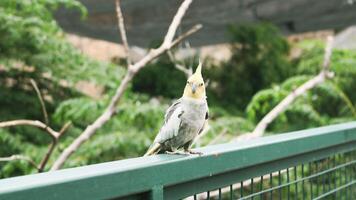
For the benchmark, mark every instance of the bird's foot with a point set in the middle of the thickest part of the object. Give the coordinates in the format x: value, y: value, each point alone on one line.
x: 191, y: 152
x: 177, y: 153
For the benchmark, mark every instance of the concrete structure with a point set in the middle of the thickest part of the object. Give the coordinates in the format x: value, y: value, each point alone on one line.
x: 147, y: 20
x: 346, y: 39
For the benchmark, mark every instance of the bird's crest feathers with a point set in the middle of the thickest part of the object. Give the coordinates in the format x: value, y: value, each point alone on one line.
x: 198, y: 70
x: 197, y: 76
x: 195, y: 87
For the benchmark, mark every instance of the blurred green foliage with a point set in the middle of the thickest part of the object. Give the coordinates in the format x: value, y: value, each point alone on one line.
x: 33, y: 46
x: 330, y: 102
x: 259, y: 59
x: 160, y: 79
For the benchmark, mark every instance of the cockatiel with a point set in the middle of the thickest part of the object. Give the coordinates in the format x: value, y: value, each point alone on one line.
x: 184, y: 119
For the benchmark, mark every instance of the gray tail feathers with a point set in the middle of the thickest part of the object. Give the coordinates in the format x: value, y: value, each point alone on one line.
x: 154, y: 149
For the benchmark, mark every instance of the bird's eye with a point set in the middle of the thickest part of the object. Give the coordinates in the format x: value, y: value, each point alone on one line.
x: 188, y: 82
x: 201, y: 84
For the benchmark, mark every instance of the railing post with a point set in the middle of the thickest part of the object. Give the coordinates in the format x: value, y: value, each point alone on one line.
x: 157, y: 192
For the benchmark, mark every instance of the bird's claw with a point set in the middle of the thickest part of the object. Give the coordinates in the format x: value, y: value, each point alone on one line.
x: 191, y: 152
x: 185, y: 152
x: 176, y: 153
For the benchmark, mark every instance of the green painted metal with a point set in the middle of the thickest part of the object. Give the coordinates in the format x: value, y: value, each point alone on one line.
x: 176, y: 176
x: 209, y: 183
x: 157, y: 192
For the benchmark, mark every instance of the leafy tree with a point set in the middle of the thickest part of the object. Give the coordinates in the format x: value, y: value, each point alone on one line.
x: 330, y: 102
x: 33, y: 46
x: 259, y: 59
x: 160, y: 79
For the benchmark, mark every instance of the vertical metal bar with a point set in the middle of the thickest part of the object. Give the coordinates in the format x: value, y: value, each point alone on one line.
x: 334, y: 175
x: 231, y: 192
x: 219, y: 193
x: 288, y: 187
x: 296, y: 184
x: 195, y: 197
x: 208, y: 195
x: 252, y: 188
x: 317, y: 179
x: 351, y: 174
x: 303, y: 191
x: 345, y: 168
x: 261, y: 187
x: 323, y: 176
x: 354, y: 173
x: 311, y: 181
x: 340, y: 175
x: 241, y: 189
x: 329, y: 174
x: 157, y: 193
x: 271, y: 184
x: 346, y: 177
x: 279, y: 183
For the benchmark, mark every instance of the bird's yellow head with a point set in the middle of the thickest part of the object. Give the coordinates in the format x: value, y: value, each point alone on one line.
x: 195, y: 87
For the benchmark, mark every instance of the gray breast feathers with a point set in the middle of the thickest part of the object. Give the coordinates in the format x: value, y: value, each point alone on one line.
x: 184, y: 112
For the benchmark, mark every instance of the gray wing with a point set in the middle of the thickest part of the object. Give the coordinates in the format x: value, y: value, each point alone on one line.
x: 206, y: 120
x: 171, y: 110
x: 171, y: 124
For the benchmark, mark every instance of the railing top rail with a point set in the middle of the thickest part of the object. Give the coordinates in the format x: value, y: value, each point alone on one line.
x: 120, y: 178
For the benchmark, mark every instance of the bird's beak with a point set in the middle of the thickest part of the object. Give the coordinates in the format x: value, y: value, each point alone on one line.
x: 194, y: 88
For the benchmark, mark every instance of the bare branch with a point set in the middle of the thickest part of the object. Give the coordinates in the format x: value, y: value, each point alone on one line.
x: 175, y: 23
x: 187, y: 71
x: 218, y: 137
x: 64, y: 128
x: 121, y: 25
x: 191, y: 31
x: 154, y: 53
x: 39, y: 95
x: 327, y: 54
x: 132, y: 70
x: 47, y: 155
x: 19, y: 157
x: 52, y: 146
x: 23, y: 122
x: 35, y: 123
x: 283, y: 105
x: 54, y: 135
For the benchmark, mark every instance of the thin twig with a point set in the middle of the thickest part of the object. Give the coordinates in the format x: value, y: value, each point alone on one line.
x: 35, y: 123
x: 19, y: 157
x: 132, y: 70
x: 175, y: 23
x: 54, y: 135
x: 218, y: 137
x: 44, y: 126
x: 283, y: 105
x: 187, y: 71
x: 345, y: 98
x: 51, y: 147
x: 39, y: 95
x: 191, y: 31
x: 327, y: 54
x: 121, y: 25
x: 64, y: 128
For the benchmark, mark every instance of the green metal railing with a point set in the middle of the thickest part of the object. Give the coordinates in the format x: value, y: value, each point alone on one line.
x: 317, y: 163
